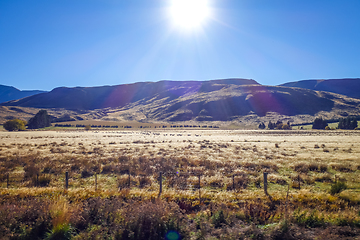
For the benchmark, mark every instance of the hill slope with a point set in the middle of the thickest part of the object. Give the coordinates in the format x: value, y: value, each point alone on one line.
x: 8, y: 93
x: 89, y: 98
x: 349, y: 86
x: 217, y: 100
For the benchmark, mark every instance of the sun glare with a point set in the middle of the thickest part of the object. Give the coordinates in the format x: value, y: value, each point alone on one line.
x: 189, y: 14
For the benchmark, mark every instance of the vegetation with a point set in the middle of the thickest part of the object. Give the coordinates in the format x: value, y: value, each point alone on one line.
x: 262, y: 125
x: 319, y: 123
x: 114, y: 184
x: 15, y: 125
x: 348, y: 123
x: 40, y: 120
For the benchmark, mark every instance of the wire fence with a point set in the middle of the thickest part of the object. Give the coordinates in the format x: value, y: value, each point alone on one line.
x: 190, y: 181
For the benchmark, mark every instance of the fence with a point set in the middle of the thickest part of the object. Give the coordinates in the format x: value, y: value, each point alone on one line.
x: 178, y: 180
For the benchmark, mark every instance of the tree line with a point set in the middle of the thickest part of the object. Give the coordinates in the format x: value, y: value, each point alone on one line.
x: 349, y: 123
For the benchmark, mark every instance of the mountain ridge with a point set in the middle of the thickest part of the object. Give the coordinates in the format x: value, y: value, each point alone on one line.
x: 8, y: 93
x: 346, y: 86
x: 172, y: 101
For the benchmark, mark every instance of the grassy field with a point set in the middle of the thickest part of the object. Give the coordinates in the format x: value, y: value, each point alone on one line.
x: 313, y: 184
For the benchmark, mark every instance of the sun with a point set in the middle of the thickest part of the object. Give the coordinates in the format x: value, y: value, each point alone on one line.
x: 189, y: 14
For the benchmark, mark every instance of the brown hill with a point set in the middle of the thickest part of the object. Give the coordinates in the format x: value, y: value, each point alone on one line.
x: 89, y: 98
x: 347, y: 86
x: 217, y: 100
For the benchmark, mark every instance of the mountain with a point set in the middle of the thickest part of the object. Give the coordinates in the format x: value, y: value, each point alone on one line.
x: 215, y: 100
x: 348, y: 86
x: 89, y: 98
x: 8, y: 93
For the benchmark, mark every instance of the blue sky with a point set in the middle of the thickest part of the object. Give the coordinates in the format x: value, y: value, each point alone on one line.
x: 50, y: 43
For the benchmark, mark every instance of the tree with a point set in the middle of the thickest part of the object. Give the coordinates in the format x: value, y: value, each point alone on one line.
x: 319, y: 123
x: 279, y: 125
x: 262, y: 125
x: 15, y: 125
x: 40, y: 120
x: 348, y: 123
x: 271, y: 125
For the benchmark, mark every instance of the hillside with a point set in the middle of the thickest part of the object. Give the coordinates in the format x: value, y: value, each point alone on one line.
x: 348, y: 86
x: 231, y: 100
x: 8, y: 93
x: 90, y: 98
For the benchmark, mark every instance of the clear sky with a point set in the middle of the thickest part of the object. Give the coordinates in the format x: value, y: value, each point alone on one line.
x: 51, y: 43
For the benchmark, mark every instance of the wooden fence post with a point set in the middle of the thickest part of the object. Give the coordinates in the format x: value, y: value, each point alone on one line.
x: 265, y: 183
x: 299, y: 181
x: 129, y: 178
x: 66, y: 180
x: 7, y: 180
x: 199, y: 189
x: 95, y: 182
x: 233, y: 181
x: 160, y: 183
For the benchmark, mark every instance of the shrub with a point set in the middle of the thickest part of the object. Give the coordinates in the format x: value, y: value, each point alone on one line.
x: 152, y: 221
x: 144, y: 181
x: 30, y: 171
x: 301, y: 167
x: 323, y: 178
x: 218, y: 219
x: 337, y: 188
x: 342, y: 167
x: 60, y: 232
x: 307, y: 219
x: 85, y: 173
x: 15, y: 125
x: 44, y: 180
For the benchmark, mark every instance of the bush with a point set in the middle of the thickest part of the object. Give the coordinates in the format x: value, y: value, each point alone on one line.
x: 307, y: 219
x: 337, y: 188
x: 15, y: 125
x: 152, y: 221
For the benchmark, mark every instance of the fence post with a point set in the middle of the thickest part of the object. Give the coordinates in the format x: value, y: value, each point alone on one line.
x: 95, y: 182
x: 233, y: 182
x: 199, y: 189
x: 265, y: 183
x: 37, y: 180
x: 66, y: 180
x: 160, y: 183
x: 7, y: 180
x: 129, y: 178
x: 299, y: 181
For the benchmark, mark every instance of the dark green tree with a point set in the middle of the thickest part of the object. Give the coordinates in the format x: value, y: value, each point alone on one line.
x: 40, y: 120
x: 262, y: 125
x: 15, y: 125
x: 319, y: 123
x: 348, y: 123
x: 271, y: 125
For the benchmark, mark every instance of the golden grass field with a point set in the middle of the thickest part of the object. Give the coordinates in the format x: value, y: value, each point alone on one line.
x: 224, y: 159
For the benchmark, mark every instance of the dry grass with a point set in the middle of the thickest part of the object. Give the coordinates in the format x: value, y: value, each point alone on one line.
x: 224, y: 160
